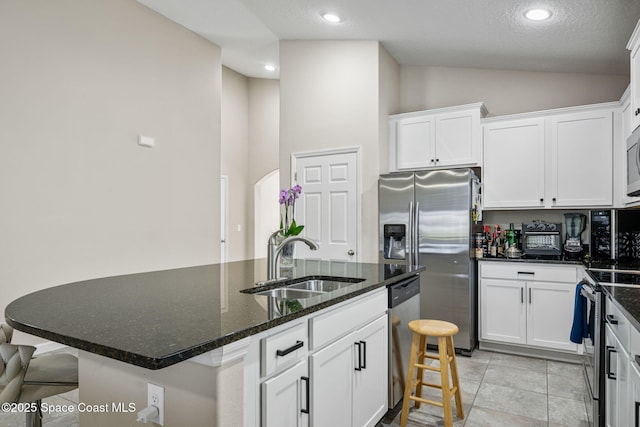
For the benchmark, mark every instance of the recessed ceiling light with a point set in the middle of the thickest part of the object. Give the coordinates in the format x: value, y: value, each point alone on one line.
x: 270, y: 67
x: 332, y: 18
x: 537, y: 14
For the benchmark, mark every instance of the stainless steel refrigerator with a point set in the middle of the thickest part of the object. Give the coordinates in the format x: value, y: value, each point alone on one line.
x: 426, y: 219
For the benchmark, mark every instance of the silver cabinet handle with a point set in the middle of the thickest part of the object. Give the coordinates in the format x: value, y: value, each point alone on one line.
x: 351, y: 252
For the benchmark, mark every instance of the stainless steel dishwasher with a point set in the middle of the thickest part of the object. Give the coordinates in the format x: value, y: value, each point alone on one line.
x: 404, y: 306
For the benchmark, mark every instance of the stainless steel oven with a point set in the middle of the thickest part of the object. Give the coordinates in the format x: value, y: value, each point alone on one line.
x: 593, y: 356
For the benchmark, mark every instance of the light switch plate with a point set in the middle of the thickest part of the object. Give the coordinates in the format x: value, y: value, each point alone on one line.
x: 146, y: 141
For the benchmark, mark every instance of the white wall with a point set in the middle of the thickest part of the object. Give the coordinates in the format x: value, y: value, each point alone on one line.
x: 234, y: 163
x: 504, y: 91
x: 329, y: 99
x: 264, y: 141
x: 79, y: 81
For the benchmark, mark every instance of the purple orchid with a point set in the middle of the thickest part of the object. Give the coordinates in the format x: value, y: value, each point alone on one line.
x: 287, y: 198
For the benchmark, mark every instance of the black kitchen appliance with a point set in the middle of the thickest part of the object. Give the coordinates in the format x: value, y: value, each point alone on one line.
x: 541, y: 239
x: 575, y: 223
x: 600, y: 238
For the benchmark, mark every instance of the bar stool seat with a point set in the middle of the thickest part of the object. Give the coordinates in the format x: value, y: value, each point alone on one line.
x: 444, y: 332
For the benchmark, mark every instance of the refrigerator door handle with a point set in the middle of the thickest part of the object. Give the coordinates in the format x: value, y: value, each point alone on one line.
x: 410, y: 234
x: 416, y: 229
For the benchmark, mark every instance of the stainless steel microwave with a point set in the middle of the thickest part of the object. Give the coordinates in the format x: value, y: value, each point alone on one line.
x: 633, y: 163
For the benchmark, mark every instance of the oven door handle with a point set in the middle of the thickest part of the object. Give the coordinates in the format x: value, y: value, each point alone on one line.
x: 610, y: 349
x: 588, y: 295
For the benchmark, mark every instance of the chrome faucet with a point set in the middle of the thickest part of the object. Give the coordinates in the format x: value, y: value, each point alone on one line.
x: 274, y: 250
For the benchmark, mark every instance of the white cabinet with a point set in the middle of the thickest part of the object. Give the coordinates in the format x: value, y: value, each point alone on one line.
x: 582, y: 159
x: 285, y: 398
x: 438, y: 138
x: 527, y: 304
x: 634, y: 393
x: 328, y: 368
x: 332, y: 371
x: 556, y: 159
x: 514, y: 170
x: 616, y: 365
x: 550, y: 314
x: 634, y: 47
x: 502, y: 313
x: 349, y: 378
x: 371, y: 380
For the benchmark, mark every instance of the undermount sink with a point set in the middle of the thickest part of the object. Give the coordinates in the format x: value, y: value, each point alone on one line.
x: 306, y: 287
x: 287, y: 293
x: 320, y: 285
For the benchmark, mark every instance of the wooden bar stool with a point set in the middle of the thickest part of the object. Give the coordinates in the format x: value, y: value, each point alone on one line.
x: 444, y: 331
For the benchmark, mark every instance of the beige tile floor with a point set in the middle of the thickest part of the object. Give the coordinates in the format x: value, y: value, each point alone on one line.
x: 502, y: 390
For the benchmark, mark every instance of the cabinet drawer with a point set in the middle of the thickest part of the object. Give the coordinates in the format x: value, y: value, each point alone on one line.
x: 528, y: 271
x: 283, y: 348
x: 619, y: 324
x: 332, y: 325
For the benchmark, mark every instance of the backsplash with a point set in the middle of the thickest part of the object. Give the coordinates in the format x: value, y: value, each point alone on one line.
x: 504, y: 218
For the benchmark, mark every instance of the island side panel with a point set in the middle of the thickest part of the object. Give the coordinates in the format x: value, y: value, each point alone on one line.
x: 194, y: 394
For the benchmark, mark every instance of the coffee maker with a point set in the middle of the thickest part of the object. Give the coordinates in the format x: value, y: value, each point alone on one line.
x: 575, y: 223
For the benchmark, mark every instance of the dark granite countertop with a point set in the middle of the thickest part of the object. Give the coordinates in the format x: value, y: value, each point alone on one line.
x: 624, y: 289
x: 157, y: 319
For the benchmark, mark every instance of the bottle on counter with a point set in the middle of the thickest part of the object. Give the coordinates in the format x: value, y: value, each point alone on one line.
x: 493, y: 252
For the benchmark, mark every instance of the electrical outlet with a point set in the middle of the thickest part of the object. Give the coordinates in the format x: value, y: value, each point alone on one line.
x: 155, y: 397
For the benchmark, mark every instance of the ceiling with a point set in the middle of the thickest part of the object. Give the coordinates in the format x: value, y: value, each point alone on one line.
x: 586, y: 36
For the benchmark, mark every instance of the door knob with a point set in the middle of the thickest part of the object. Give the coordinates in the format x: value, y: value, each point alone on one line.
x: 351, y: 252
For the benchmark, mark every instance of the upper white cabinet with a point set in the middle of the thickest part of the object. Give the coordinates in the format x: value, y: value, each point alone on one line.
x: 514, y: 170
x: 582, y: 159
x: 439, y: 138
x: 555, y: 159
x: 634, y: 47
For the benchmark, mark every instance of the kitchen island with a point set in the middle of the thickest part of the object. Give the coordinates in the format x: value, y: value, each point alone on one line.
x: 187, y: 329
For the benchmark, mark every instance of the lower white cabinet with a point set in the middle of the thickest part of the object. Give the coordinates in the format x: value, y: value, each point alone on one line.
x: 370, y: 381
x: 285, y: 398
x: 634, y: 394
x: 518, y: 308
x: 616, y: 365
x: 341, y: 380
x: 350, y: 378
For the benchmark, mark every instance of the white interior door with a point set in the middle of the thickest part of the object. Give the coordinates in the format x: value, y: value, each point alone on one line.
x: 328, y: 207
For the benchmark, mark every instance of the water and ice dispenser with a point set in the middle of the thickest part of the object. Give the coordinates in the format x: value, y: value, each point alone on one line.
x: 395, y: 241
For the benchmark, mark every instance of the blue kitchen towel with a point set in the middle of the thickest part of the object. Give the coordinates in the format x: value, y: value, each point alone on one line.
x: 579, y: 329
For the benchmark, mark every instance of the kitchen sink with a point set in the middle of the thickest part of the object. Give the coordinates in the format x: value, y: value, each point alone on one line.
x: 288, y: 293
x: 303, y: 287
x: 320, y: 285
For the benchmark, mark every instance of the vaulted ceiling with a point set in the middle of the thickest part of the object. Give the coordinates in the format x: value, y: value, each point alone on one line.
x: 586, y: 36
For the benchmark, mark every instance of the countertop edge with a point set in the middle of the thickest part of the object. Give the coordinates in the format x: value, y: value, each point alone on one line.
x: 155, y: 363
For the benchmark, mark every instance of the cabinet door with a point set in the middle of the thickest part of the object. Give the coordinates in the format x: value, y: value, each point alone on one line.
x: 513, y: 159
x: 582, y: 159
x: 550, y: 315
x: 371, y: 380
x: 610, y: 366
x: 502, y: 311
x: 634, y: 393
x: 635, y: 86
x: 415, y: 139
x: 332, y: 384
x: 285, y: 398
x: 457, y: 138
x: 622, y: 384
